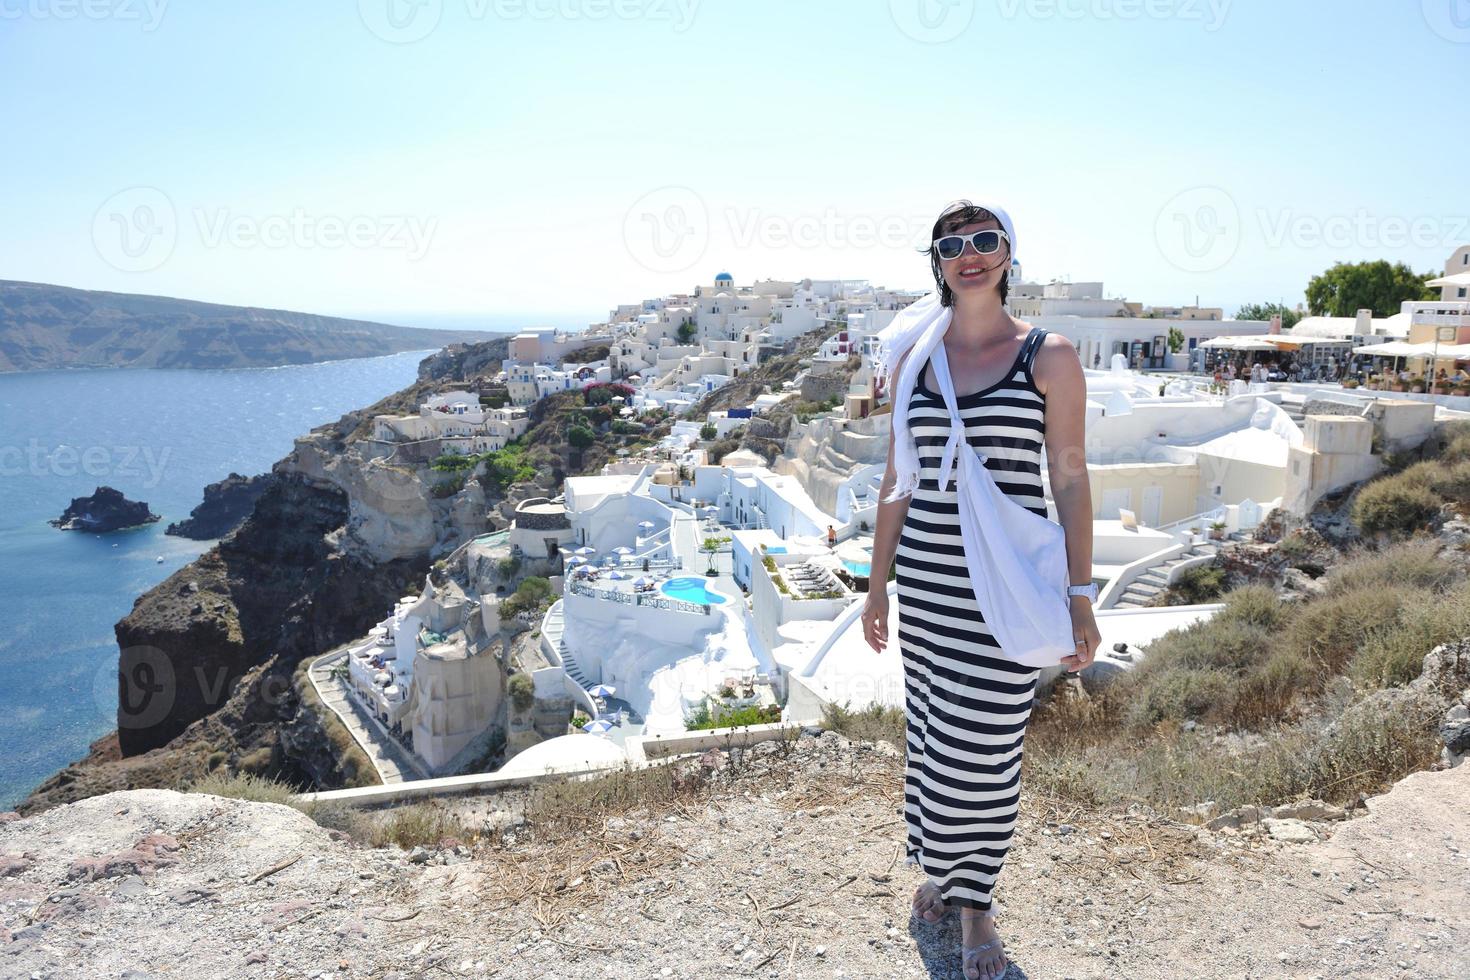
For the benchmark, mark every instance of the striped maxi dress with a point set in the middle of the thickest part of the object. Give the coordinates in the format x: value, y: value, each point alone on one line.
x: 966, y: 706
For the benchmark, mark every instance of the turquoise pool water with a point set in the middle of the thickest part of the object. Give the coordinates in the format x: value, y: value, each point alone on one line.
x: 858, y: 567
x: 691, y: 590
x: 776, y: 549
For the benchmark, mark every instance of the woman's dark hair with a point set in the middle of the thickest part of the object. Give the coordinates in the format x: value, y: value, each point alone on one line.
x: 957, y: 215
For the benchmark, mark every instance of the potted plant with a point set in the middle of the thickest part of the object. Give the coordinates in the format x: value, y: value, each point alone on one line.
x: 1417, y: 387
x: 1217, y: 530
x: 1194, y: 534
x: 1461, y: 389
x: 1351, y: 383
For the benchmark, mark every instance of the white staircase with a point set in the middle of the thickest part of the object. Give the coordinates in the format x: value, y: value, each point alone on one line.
x: 1147, y: 587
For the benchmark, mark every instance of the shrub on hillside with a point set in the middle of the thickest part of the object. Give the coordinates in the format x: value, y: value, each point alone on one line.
x: 1395, y: 506
x: 1202, y: 583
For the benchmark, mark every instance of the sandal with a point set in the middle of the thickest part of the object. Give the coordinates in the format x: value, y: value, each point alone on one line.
x: 968, y: 954
x: 936, y: 907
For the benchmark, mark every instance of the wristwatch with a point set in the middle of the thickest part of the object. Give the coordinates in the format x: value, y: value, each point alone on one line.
x: 1089, y: 590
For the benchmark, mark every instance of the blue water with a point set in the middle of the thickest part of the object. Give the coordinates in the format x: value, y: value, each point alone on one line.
x: 158, y: 436
x: 691, y: 590
x: 858, y: 567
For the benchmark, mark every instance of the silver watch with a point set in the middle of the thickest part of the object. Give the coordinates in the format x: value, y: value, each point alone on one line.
x: 1089, y: 590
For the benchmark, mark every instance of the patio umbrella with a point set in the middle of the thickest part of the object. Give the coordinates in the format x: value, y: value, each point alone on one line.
x: 622, y: 550
x: 598, y: 725
x: 602, y: 691
x: 575, y: 560
x: 646, y: 525
x: 642, y: 582
x: 617, y: 574
x: 586, y: 549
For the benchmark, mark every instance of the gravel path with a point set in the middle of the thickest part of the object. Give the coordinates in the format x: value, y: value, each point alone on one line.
x: 770, y: 864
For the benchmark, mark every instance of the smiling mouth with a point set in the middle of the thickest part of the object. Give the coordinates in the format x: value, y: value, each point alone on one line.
x: 971, y: 272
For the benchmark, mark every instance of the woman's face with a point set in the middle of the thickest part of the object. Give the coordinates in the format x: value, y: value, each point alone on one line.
x: 972, y: 272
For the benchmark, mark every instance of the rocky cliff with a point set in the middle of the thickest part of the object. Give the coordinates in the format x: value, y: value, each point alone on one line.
x: 208, y: 658
x: 44, y: 327
x: 226, y: 503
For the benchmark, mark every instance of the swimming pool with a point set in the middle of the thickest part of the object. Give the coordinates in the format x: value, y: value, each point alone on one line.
x: 858, y: 567
x: 691, y: 590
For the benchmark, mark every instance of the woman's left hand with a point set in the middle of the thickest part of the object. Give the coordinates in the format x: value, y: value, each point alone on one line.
x: 1085, y: 632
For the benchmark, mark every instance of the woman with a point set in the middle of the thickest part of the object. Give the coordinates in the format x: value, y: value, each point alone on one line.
x: 966, y: 705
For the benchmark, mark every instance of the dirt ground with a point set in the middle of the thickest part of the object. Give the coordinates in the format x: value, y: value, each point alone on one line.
x: 787, y: 864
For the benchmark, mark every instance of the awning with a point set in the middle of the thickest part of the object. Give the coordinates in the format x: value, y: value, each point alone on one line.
x: 1458, y: 279
x: 1239, y: 343
x: 1401, y: 348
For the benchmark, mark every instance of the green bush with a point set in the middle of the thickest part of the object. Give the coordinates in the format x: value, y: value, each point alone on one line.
x: 1328, y: 631
x: 528, y: 596
x: 1410, y: 564
x: 522, y: 691
x: 1202, y: 583
x: 1394, y: 506
x: 1178, y: 694
x: 1393, y: 654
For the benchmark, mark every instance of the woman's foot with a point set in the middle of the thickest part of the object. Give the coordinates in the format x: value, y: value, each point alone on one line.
x: 983, y: 954
x: 927, y: 903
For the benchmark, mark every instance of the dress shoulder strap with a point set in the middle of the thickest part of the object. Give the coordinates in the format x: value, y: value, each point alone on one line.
x: 1031, y: 346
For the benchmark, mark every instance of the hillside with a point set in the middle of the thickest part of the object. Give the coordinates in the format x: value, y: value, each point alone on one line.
x: 773, y: 861
x: 45, y: 327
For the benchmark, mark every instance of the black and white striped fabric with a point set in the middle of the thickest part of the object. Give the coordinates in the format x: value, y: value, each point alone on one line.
x: 966, y: 706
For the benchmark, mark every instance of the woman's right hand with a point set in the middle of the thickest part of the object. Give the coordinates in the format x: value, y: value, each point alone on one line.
x: 875, y: 619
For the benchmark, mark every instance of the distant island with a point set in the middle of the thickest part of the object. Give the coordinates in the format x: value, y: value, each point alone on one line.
x: 45, y: 327
x: 105, y: 510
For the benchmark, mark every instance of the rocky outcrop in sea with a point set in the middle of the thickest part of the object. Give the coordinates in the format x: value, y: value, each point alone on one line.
x: 226, y: 504
x: 105, y: 510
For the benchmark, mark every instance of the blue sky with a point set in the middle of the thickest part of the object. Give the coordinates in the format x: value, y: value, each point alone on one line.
x: 406, y: 158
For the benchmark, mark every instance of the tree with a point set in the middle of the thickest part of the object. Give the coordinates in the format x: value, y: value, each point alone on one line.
x: 1346, y: 288
x: 1265, y: 311
x: 708, y: 432
x: 580, y: 437
x: 712, y: 546
x: 1176, y: 339
x: 686, y: 331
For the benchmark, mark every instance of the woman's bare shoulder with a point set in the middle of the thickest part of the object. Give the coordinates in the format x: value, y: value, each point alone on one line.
x: 1057, y: 362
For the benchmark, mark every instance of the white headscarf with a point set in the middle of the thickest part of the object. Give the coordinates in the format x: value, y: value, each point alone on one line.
x: 920, y: 327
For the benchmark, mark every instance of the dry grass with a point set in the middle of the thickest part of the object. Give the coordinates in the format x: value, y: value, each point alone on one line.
x: 1268, y: 700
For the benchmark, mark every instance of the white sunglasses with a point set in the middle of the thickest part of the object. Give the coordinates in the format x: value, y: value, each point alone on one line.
x: 984, y: 242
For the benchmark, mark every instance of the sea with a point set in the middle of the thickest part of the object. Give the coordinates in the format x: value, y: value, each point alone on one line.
x: 160, y: 437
